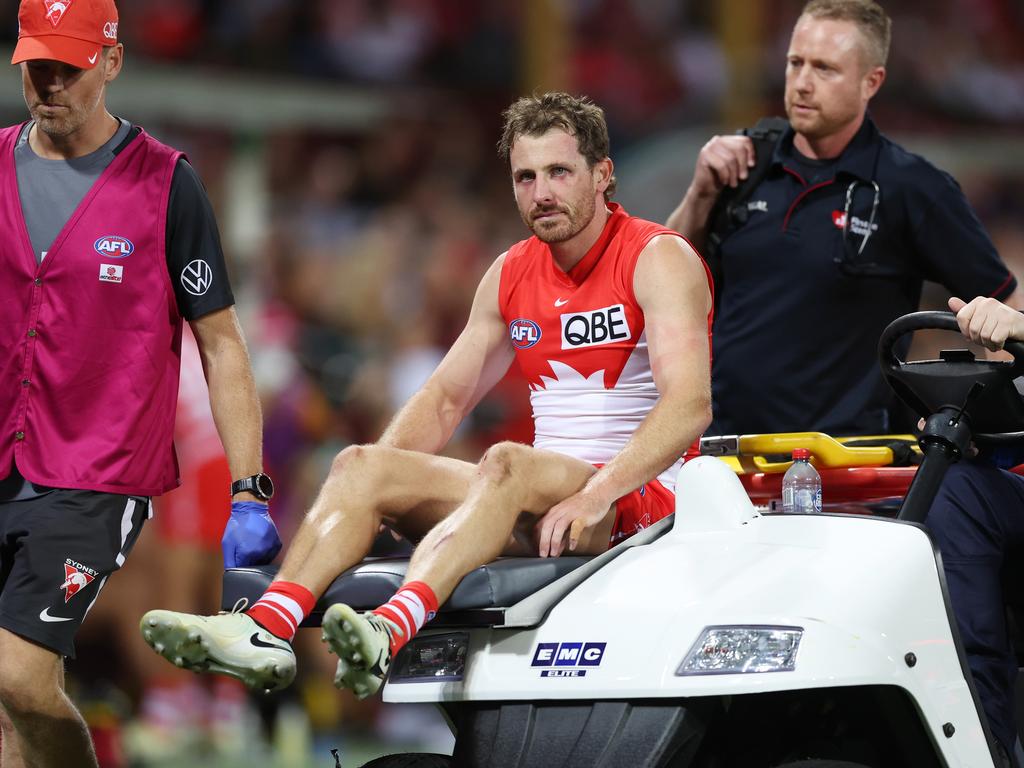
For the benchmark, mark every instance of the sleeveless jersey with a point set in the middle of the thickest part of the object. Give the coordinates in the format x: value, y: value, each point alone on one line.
x: 580, y: 341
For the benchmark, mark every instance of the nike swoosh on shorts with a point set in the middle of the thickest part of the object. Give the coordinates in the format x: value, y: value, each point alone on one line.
x: 44, y: 615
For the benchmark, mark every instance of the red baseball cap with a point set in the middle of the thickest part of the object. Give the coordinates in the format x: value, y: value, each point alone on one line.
x: 72, y: 31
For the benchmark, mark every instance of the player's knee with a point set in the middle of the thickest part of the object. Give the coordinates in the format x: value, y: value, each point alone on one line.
x: 354, y: 462
x: 348, y: 457
x: 360, y: 472
x: 502, y: 460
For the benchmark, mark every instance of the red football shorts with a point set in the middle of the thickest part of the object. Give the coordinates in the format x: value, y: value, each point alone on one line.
x: 641, y: 509
x: 197, y: 511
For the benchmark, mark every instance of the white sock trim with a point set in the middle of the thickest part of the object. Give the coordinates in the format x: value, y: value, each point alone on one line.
x: 287, y: 617
x: 415, y: 606
x: 287, y: 603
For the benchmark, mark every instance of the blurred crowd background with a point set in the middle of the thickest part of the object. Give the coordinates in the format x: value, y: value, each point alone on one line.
x: 348, y: 149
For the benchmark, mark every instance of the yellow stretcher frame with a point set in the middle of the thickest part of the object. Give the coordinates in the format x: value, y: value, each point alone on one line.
x: 750, y: 451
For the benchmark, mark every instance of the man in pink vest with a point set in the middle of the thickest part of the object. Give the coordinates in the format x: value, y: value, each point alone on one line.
x: 107, y: 242
x: 609, y: 319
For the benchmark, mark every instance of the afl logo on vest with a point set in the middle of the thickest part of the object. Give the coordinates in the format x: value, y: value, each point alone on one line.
x: 525, y: 333
x: 598, y: 326
x: 114, y: 247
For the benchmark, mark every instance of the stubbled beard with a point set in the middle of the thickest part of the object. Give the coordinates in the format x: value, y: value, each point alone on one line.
x: 576, y: 221
x: 57, y: 127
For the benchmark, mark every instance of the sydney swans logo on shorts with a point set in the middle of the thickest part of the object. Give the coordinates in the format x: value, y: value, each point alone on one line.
x: 197, y: 277
x: 114, y: 247
x: 525, y: 333
x: 76, y: 578
x: 55, y: 10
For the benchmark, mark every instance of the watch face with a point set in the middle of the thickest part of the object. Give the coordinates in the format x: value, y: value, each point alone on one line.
x: 264, y: 486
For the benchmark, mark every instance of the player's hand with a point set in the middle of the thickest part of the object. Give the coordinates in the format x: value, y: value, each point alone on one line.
x: 988, y: 321
x: 724, y: 161
x: 573, y: 516
x: 250, y: 537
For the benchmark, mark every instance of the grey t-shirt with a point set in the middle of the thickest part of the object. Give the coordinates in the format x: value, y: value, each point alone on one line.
x: 51, y: 190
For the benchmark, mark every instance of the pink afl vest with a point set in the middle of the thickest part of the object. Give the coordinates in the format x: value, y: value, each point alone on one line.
x: 90, y: 339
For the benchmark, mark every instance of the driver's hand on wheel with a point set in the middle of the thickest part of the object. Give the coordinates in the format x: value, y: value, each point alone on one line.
x: 988, y: 322
x: 574, y: 516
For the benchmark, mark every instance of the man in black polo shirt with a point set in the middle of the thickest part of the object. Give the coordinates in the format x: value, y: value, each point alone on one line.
x: 832, y: 244
x: 836, y: 241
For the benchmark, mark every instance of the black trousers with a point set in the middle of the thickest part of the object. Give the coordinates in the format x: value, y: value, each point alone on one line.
x: 977, y: 521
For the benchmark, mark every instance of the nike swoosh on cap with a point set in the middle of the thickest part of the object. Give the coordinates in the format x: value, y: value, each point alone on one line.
x: 92, y: 59
x: 44, y: 615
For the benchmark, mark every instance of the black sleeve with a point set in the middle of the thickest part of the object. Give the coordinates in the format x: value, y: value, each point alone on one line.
x: 957, y: 249
x: 195, y: 260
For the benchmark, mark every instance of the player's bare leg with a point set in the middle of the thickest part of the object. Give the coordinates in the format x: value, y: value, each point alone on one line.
x: 512, y: 481
x: 48, y: 730
x: 367, y: 484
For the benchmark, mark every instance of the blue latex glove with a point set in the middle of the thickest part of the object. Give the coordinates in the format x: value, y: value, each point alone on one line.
x: 250, y: 537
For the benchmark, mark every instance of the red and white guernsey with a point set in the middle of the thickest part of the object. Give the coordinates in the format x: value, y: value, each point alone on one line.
x: 580, y: 341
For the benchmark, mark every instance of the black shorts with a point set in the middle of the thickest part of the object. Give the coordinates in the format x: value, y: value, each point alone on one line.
x: 56, y: 553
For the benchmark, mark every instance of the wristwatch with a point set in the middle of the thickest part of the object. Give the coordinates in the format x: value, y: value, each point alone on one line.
x: 259, y: 485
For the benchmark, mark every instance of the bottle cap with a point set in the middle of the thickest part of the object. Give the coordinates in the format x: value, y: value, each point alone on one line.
x: 801, y: 453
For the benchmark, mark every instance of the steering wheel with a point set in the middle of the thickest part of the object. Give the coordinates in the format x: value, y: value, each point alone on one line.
x: 984, y: 390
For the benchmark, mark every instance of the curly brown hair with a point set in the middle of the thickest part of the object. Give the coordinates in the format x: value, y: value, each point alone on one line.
x: 576, y: 115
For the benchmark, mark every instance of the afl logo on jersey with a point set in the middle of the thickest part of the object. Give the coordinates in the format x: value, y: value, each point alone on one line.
x: 114, y: 247
x: 525, y: 333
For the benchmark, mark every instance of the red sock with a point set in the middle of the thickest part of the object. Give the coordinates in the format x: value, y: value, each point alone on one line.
x: 282, y: 608
x: 412, y: 606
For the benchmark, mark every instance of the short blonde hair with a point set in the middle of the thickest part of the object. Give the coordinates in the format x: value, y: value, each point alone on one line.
x: 874, y: 23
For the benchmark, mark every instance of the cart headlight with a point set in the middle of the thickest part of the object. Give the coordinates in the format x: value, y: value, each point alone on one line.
x: 736, y: 650
x: 431, y: 659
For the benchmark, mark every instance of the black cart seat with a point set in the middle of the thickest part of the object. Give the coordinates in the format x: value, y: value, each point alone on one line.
x: 479, y: 598
x: 510, y: 592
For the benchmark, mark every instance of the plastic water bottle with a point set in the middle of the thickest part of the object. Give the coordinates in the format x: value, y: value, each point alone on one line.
x: 801, y: 485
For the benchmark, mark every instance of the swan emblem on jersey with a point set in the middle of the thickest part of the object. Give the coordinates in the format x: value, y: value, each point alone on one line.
x: 568, y: 377
x: 55, y: 10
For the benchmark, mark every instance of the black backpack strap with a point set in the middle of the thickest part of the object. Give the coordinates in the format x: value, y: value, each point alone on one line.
x: 730, y: 211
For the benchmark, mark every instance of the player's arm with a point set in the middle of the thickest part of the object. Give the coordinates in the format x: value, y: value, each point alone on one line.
x: 233, y: 398
x: 672, y: 289
x: 475, y: 363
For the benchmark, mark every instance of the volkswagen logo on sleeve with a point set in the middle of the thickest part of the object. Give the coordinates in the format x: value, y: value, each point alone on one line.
x: 197, y: 277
